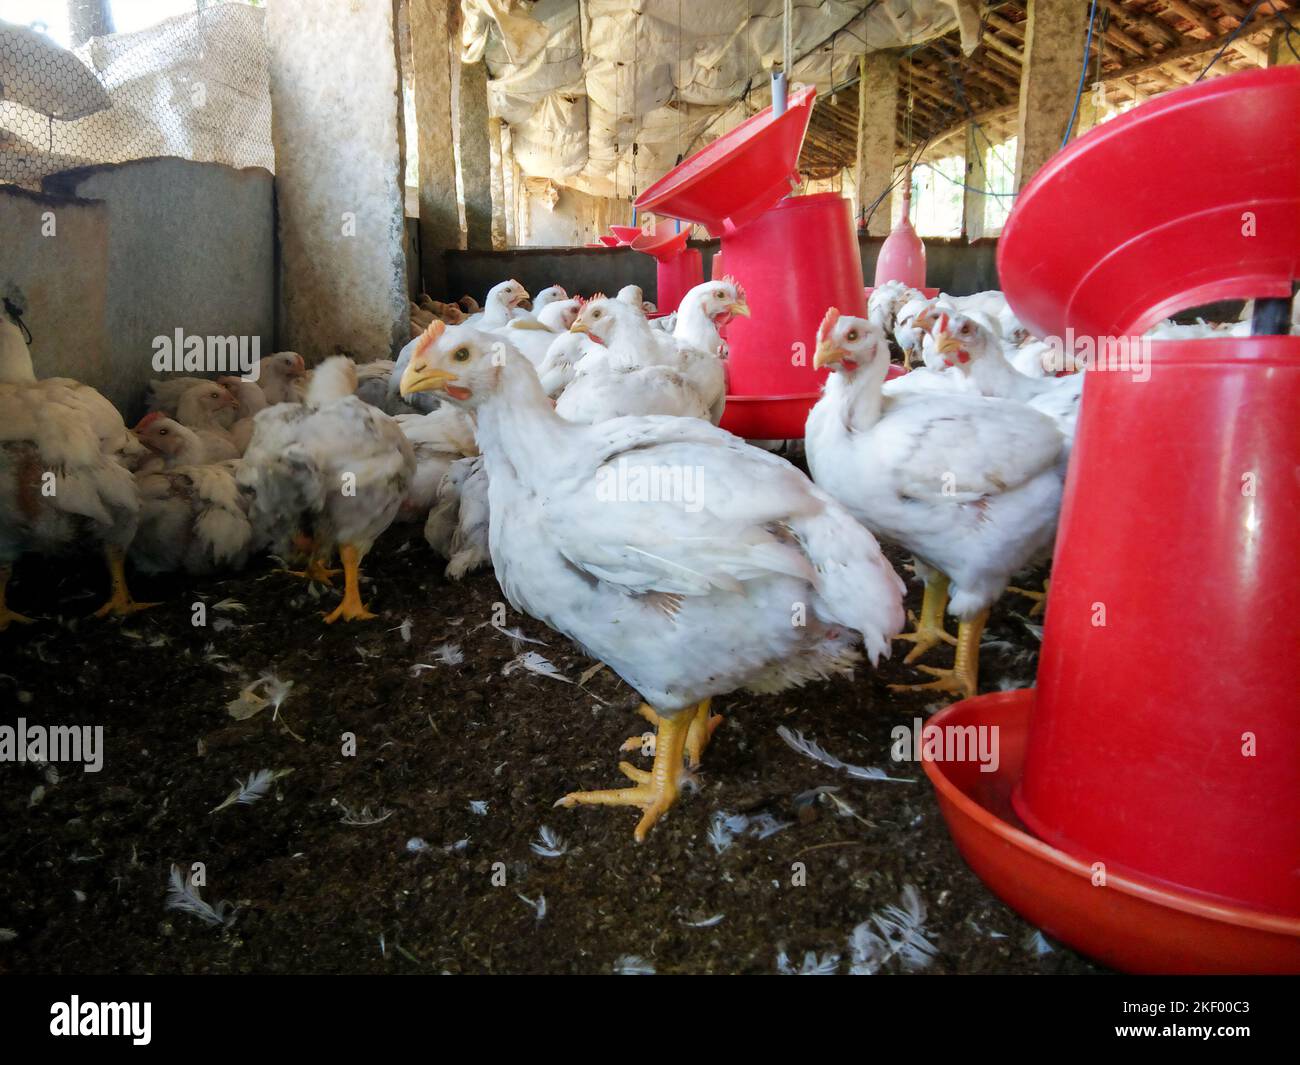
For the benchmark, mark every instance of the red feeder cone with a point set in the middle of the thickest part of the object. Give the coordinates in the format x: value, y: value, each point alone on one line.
x: 794, y: 258
x: 1162, y: 759
x: 678, y: 269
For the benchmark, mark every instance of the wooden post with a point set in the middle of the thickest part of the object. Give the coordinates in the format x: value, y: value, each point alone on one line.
x: 1054, y: 35
x: 973, y: 201
x: 1280, y: 52
x: 431, y: 60
x: 877, y: 108
x: 474, y: 154
x: 498, y: 186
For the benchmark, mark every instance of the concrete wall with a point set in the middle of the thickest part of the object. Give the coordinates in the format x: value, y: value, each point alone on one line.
x: 954, y: 266
x: 141, y: 249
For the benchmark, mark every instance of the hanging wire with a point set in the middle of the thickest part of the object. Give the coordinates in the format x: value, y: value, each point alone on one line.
x: 1083, y: 74
x: 1250, y: 14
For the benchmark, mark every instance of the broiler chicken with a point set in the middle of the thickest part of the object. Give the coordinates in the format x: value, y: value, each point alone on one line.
x: 503, y: 303
x: 332, y: 471
x: 192, y: 517
x: 638, y: 370
x: 458, y: 522
x: 437, y: 439
x: 198, y: 411
x: 63, y: 476
x: 971, y: 486
x: 687, y: 594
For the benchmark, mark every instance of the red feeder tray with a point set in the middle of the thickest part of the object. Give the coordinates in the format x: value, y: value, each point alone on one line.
x: 609, y: 241
x: 625, y: 234
x: 678, y: 268
x: 1132, y: 923
x: 1164, y: 744
x: 740, y: 175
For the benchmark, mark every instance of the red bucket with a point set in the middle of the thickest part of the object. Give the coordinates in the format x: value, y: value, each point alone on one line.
x: 794, y: 261
x: 1166, y: 734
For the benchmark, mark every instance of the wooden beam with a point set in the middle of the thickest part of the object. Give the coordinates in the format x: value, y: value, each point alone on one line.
x: 439, y: 212
x: 972, y: 205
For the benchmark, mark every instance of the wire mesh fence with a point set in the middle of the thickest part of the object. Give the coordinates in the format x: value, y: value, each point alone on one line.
x: 193, y: 86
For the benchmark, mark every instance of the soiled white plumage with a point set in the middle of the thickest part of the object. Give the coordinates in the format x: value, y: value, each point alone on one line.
x: 502, y: 304
x: 59, y: 426
x: 458, y: 522
x: 437, y: 439
x: 200, y: 410
x: 684, y: 597
x: 968, y: 484
x: 192, y: 518
x: 333, y: 466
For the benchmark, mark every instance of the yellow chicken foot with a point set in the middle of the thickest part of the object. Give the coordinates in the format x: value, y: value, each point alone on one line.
x: 703, y: 726
x: 1039, y: 598
x: 120, y: 604
x: 318, y: 570
x: 352, y: 608
x: 929, y: 629
x: 963, y: 678
x: 8, y: 616
x: 655, y: 791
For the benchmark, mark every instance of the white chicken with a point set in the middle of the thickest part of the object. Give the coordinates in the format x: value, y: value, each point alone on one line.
x: 670, y: 550
x: 249, y: 400
x: 969, y: 485
x: 458, y: 522
x: 333, y: 471
x: 437, y: 440
x: 192, y: 517
x: 199, y: 411
x: 533, y: 337
x: 63, y: 478
x: 502, y: 304
x: 628, y: 374
x: 279, y: 376
x: 885, y: 301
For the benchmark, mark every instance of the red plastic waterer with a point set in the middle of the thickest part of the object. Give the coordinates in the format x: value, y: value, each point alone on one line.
x: 794, y: 259
x: 678, y: 269
x: 902, y: 255
x: 1150, y: 812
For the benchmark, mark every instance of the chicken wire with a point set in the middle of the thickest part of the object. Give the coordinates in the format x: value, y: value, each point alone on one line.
x: 193, y: 86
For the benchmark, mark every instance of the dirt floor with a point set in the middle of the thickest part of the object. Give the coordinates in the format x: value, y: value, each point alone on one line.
x: 377, y: 862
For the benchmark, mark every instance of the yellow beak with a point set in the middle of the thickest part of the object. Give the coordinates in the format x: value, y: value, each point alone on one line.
x: 579, y: 326
x: 740, y: 307
x: 943, y: 343
x: 826, y: 354
x: 419, y: 378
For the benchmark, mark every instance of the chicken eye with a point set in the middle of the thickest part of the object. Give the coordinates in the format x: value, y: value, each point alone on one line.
x: 461, y: 355
x: 595, y: 314
x: 852, y: 335
x: 720, y: 294
x: 162, y: 432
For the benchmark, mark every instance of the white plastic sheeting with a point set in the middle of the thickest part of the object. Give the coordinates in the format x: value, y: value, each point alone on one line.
x: 605, y: 95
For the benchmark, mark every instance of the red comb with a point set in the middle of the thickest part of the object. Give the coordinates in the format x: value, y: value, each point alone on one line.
x: 828, y: 323
x: 149, y: 419
x: 429, y: 336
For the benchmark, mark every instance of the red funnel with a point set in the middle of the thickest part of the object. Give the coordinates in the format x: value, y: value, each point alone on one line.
x: 665, y: 243
x: 625, y: 234
x: 1097, y: 245
x: 902, y: 256
x: 740, y: 175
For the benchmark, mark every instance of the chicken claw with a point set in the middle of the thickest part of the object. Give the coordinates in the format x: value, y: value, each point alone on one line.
x: 317, y: 570
x: 703, y: 726
x: 1039, y: 598
x: 351, y: 608
x: 657, y: 790
x: 963, y: 678
x: 929, y: 630
x: 120, y: 604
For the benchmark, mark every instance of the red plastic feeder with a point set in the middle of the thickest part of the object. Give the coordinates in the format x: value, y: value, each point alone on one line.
x: 794, y: 259
x: 625, y: 234
x: 1164, y: 742
x: 678, y: 269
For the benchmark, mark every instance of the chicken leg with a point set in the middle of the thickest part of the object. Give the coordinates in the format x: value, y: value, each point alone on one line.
x: 317, y: 568
x: 1039, y: 598
x: 351, y: 608
x: 655, y: 791
x: 703, y: 726
x: 6, y: 615
x: 120, y: 604
x: 963, y: 678
x: 929, y: 629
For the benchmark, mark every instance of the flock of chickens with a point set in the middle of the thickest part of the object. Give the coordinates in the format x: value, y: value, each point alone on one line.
x: 498, y: 428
